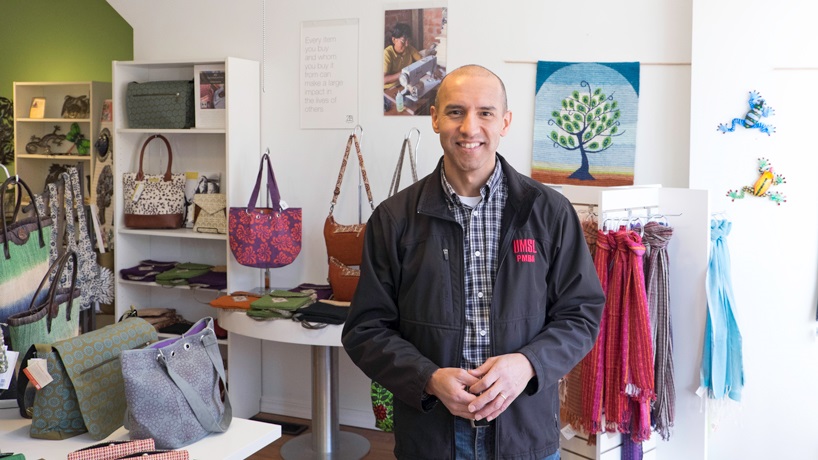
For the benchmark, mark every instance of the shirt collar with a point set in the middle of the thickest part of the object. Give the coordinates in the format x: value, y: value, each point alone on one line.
x: 486, y: 191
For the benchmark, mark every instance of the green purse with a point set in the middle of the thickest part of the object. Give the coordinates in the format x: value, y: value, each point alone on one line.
x: 57, y: 318
x: 178, y: 275
x: 87, y: 393
x: 278, y: 304
x: 160, y: 104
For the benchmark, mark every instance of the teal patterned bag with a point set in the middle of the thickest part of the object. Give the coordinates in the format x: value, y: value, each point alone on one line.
x: 87, y: 393
x: 160, y: 104
x: 55, y: 319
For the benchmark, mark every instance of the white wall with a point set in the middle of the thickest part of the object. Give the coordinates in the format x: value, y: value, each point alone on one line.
x: 773, y: 248
x: 731, y: 47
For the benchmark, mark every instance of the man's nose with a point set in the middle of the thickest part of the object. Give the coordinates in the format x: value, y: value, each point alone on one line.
x: 470, y: 124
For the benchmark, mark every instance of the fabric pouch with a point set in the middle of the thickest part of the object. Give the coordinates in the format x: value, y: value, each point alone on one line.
x: 146, y: 271
x: 209, y: 280
x: 112, y: 450
x: 236, y: 300
x: 321, y: 312
x: 210, y: 213
x: 180, y: 274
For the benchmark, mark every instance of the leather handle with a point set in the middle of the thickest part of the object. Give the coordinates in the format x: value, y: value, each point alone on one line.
x: 53, y: 308
x: 140, y: 175
x: 14, y: 180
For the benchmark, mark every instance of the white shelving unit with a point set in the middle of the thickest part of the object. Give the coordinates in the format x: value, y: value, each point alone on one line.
x: 33, y: 167
x: 231, y: 151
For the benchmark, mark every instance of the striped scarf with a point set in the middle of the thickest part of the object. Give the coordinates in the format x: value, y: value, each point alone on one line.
x: 657, y: 237
x: 574, y: 391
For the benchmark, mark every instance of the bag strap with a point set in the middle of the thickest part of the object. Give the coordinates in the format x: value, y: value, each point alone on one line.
x: 15, y: 180
x: 41, y: 350
x: 352, y: 139
x: 272, y: 186
x: 140, y: 175
x: 203, y: 415
x: 53, y: 308
x: 395, y: 186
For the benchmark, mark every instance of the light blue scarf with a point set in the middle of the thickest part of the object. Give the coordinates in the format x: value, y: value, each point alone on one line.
x: 722, y: 367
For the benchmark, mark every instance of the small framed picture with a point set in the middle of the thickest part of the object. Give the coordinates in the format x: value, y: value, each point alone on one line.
x: 107, y: 110
x: 210, y: 95
x: 37, y: 108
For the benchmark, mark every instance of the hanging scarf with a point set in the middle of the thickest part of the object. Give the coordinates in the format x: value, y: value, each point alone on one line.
x: 637, y: 351
x: 615, y: 401
x: 657, y: 237
x: 593, y: 366
x: 573, y: 388
x: 722, y: 364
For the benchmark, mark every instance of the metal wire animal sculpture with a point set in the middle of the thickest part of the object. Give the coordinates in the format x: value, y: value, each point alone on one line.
x: 45, y: 142
x: 758, y: 110
x: 761, y: 188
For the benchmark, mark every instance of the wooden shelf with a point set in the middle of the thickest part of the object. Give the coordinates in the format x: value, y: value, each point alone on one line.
x: 173, y: 233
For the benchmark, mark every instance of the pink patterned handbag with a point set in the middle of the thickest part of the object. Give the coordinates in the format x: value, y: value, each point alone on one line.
x: 265, y: 237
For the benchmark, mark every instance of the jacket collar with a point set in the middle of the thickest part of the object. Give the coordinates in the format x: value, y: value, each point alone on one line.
x: 521, y: 195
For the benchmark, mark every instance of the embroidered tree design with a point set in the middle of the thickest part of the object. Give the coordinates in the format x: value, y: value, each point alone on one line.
x: 586, y: 122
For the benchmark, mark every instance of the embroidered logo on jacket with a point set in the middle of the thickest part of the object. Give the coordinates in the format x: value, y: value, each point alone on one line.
x: 524, y: 249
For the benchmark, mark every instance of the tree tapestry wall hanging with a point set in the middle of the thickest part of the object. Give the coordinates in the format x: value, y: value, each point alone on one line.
x: 585, y: 123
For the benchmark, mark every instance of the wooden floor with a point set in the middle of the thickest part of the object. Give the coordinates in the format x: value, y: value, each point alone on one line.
x: 381, y: 444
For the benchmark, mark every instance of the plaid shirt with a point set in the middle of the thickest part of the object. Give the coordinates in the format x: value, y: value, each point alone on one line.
x: 481, y: 230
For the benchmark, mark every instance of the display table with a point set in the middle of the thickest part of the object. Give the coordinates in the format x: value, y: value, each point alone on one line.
x: 326, y: 441
x: 242, y: 439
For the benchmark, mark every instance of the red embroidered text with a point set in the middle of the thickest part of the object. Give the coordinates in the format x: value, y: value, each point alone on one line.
x: 525, y: 249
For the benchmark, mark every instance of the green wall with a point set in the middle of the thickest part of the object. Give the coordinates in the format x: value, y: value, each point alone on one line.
x: 60, y: 40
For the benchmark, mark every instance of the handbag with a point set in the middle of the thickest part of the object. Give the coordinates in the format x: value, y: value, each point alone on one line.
x: 265, y: 237
x: 343, y: 279
x: 210, y: 213
x: 346, y: 242
x: 112, y: 450
x: 172, y: 389
x: 87, y: 393
x: 154, y: 201
x: 57, y: 318
x: 26, y: 244
x: 160, y: 104
x: 383, y: 400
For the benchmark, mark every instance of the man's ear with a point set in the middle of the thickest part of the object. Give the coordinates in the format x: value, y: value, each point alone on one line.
x: 506, y: 123
x: 433, y: 113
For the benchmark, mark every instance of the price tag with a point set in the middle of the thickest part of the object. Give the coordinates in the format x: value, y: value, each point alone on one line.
x: 140, y: 187
x: 37, y: 372
x: 568, y: 431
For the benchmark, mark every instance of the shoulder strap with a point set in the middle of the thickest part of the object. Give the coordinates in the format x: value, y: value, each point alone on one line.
x: 140, y: 175
x: 352, y: 140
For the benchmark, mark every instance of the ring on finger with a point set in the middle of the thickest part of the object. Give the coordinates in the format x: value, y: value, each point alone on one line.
x: 504, y: 396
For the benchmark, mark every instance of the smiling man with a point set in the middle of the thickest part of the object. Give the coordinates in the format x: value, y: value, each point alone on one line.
x: 477, y: 293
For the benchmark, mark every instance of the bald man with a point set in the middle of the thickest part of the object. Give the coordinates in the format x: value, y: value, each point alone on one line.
x: 477, y: 293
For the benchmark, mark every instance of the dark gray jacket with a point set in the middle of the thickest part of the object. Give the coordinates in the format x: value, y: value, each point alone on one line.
x: 407, y: 316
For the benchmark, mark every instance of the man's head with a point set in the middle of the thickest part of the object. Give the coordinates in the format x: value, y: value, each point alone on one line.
x: 401, y: 34
x: 470, y: 115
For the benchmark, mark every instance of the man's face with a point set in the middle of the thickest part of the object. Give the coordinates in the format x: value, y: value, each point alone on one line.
x: 400, y: 44
x: 470, y: 117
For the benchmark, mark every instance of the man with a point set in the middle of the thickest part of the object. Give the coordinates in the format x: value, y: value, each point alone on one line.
x: 477, y: 293
x: 398, y: 55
